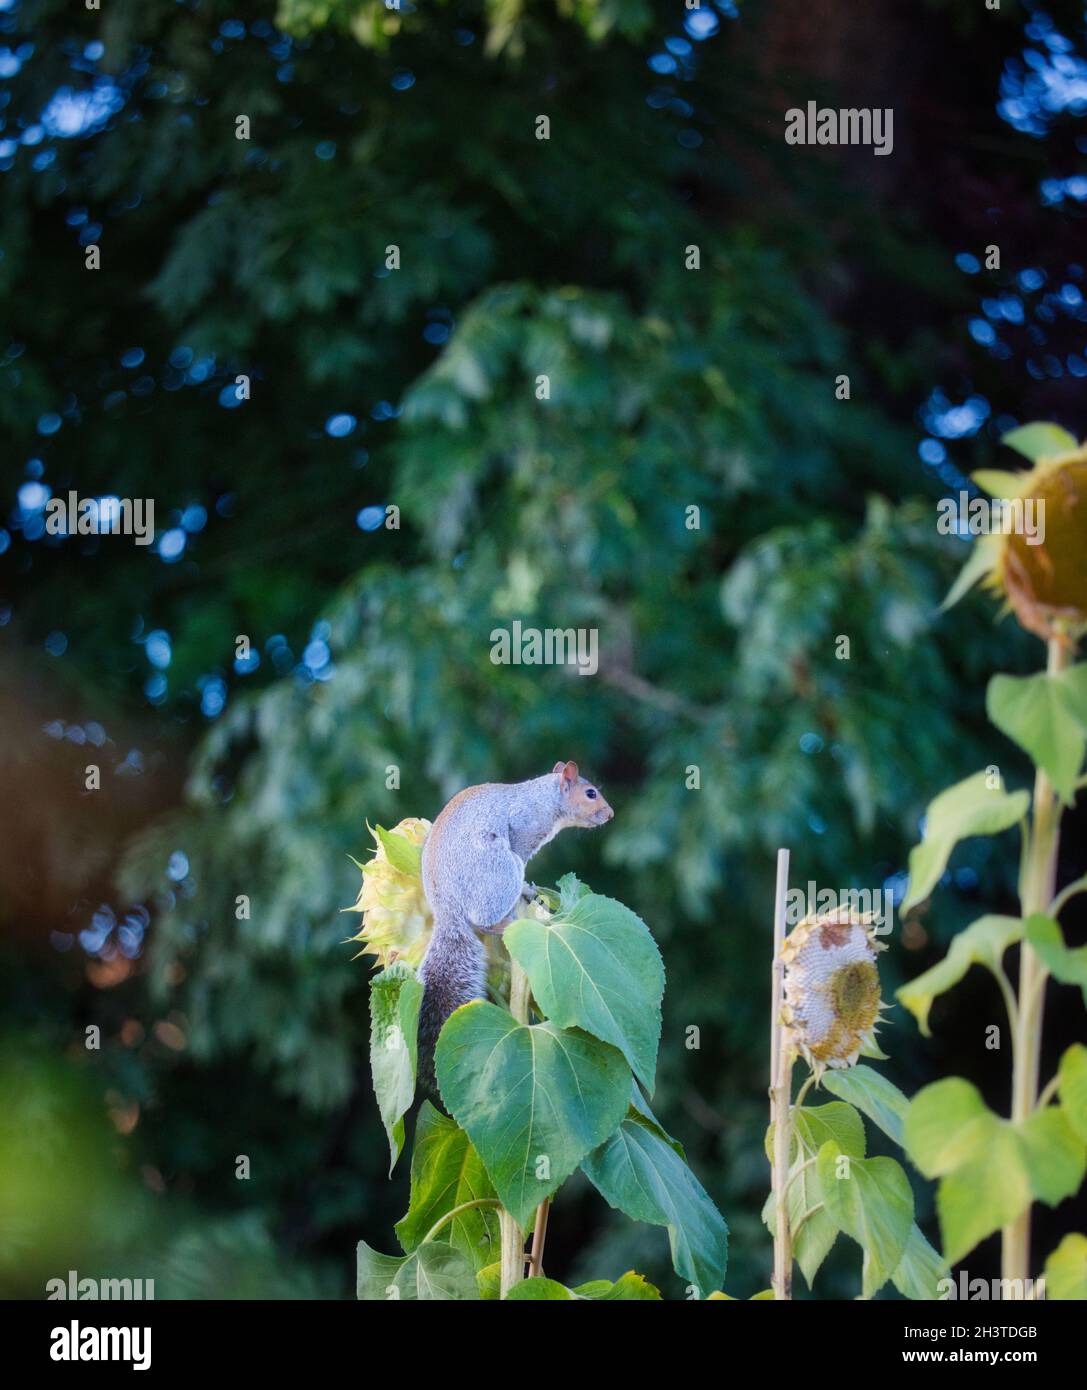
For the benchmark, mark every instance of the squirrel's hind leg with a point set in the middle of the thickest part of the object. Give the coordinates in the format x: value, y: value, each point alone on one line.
x: 491, y: 897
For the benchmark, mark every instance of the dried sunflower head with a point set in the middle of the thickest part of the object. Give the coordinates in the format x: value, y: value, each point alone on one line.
x: 1046, y: 584
x: 396, y: 920
x: 1042, y: 578
x: 832, y: 998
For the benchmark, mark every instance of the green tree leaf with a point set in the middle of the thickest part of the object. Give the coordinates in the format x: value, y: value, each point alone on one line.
x: 446, y: 1171
x: 639, y: 1173
x: 395, y: 997
x: 595, y: 966
x: 872, y: 1094
x: 1047, y: 717
x: 920, y: 1270
x: 970, y: 807
x: 982, y: 943
x: 873, y: 1205
x: 1073, y: 1088
x: 533, y: 1099
x: 1066, y: 1269
x: 1056, y: 1156
x: 1039, y: 440
x: 435, y: 1271
x: 1063, y: 963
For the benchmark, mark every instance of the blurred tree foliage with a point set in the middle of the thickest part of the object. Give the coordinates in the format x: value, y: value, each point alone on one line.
x: 670, y: 389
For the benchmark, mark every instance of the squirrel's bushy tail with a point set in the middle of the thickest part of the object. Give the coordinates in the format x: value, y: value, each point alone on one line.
x: 453, y: 973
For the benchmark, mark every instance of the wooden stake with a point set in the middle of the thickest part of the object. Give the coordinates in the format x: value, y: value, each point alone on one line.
x: 781, y: 1073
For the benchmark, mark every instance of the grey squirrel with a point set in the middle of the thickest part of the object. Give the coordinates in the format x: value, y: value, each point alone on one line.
x: 474, y: 859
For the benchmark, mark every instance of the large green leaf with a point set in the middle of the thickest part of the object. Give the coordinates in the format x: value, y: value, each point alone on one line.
x: 837, y: 1121
x: 395, y: 996
x: 1073, y: 1087
x: 970, y: 807
x: 639, y: 1173
x: 1047, y: 717
x: 920, y: 1270
x: 596, y: 967
x: 813, y: 1125
x: 872, y: 1094
x: 982, y: 943
x: 433, y: 1271
x: 1039, y: 440
x: 641, y: 1105
x: 1055, y: 1155
x: 1066, y: 1269
x: 946, y: 1124
x: 533, y: 1099
x: 984, y: 1193
x: 981, y: 1160
x: 814, y: 1231
x: 446, y: 1171
x: 1063, y: 963
x: 871, y: 1200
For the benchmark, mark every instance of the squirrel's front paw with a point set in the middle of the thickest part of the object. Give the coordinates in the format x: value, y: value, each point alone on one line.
x: 529, y: 891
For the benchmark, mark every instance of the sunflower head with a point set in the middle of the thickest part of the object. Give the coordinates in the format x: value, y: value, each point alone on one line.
x: 1042, y: 577
x: 832, y: 998
x: 396, y: 920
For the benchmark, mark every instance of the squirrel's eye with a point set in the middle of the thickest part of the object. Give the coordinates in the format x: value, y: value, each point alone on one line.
x: 591, y: 793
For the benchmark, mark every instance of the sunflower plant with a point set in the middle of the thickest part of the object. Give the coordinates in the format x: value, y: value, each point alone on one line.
x: 828, y: 1006
x: 551, y: 1074
x: 992, y: 1168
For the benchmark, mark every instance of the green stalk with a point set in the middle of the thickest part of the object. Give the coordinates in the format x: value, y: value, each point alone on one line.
x: 513, y: 1239
x: 1037, y: 884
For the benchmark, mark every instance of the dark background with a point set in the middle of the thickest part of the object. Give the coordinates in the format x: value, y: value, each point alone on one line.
x: 415, y: 387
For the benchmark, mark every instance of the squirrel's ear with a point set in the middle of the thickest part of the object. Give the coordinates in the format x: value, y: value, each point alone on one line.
x: 558, y: 767
x: 569, y: 773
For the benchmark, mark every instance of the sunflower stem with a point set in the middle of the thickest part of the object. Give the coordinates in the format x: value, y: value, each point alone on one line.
x: 781, y: 1074
x: 1036, y: 889
x: 513, y: 1239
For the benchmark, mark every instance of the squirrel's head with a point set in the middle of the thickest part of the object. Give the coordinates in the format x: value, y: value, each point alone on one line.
x: 583, y: 803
